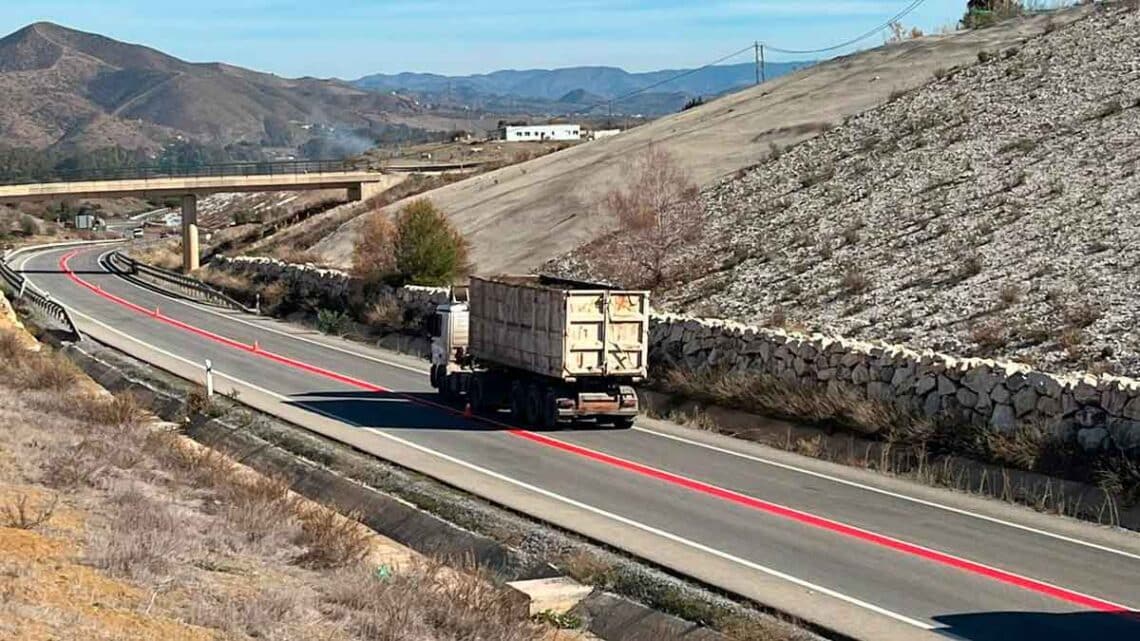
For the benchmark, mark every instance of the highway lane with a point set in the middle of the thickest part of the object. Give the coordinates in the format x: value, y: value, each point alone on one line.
x: 838, y: 577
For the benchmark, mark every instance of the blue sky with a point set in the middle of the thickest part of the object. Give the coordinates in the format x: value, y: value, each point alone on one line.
x: 351, y: 38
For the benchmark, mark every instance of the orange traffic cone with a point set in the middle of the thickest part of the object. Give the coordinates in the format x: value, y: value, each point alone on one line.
x: 256, y: 347
x: 157, y: 313
x: 467, y: 413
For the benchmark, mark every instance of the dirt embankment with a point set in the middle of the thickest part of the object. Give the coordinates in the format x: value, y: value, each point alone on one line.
x: 112, y: 528
x: 521, y: 216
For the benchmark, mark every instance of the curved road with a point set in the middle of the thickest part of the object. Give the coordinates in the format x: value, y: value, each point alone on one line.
x: 864, y: 555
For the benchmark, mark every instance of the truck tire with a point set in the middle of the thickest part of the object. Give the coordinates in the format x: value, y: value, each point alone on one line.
x: 550, y: 410
x: 477, y: 393
x: 534, y: 397
x: 433, y: 376
x: 518, y: 402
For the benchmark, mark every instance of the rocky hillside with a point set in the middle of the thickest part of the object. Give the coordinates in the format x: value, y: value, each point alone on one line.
x: 995, y: 211
x: 64, y: 87
x: 519, y: 217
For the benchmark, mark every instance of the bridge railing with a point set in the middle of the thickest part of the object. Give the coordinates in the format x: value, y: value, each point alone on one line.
x: 237, y: 169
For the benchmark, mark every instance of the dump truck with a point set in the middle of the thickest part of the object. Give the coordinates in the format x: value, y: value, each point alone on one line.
x: 551, y: 350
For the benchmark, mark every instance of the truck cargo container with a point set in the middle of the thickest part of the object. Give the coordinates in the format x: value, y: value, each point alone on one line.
x: 551, y: 350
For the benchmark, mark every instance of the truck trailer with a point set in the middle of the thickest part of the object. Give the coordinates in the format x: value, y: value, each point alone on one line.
x: 550, y: 350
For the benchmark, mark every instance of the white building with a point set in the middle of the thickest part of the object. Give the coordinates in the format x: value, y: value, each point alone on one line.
x: 598, y: 134
x: 540, y: 133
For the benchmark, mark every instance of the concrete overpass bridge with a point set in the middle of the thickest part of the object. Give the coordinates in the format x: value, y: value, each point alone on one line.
x: 191, y: 184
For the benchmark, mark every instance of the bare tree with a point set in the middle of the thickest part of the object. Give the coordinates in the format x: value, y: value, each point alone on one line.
x: 659, y: 215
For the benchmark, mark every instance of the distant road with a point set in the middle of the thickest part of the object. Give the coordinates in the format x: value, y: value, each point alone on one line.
x: 871, y: 557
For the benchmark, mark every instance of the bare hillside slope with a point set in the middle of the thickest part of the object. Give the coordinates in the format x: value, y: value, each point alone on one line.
x: 993, y: 212
x: 521, y: 216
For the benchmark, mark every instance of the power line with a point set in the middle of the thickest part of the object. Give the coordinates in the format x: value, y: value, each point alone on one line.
x: 663, y: 82
x: 899, y: 16
x: 915, y: 4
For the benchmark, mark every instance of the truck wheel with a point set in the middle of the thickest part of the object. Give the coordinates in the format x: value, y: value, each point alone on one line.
x: 433, y: 376
x: 534, y: 405
x: 550, y: 411
x: 518, y: 402
x: 477, y: 394
x: 624, y: 422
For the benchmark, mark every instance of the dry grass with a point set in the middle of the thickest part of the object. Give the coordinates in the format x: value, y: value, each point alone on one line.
x: 166, y: 255
x: 989, y: 336
x: 385, y: 314
x: 426, y: 602
x: 331, y: 540
x: 924, y: 450
x: 23, y: 515
x: 146, y: 537
x: 179, y: 533
x: 769, y: 395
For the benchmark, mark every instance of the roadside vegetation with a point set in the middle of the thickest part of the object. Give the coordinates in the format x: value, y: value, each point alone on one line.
x: 937, y: 452
x: 112, y: 528
x: 658, y: 213
x: 421, y: 247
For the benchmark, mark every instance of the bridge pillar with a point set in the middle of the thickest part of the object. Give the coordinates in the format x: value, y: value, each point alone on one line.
x: 190, y: 256
x: 363, y: 191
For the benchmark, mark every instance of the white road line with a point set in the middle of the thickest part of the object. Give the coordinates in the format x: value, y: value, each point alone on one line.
x: 265, y: 327
x: 896, y: 495
x: 547, y: 493
x: 714, y: 448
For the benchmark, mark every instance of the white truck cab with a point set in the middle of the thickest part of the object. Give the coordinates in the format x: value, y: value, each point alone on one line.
x: 449, y: 336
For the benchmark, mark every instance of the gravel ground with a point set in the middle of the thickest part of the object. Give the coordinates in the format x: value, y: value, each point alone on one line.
x: 993, y: 212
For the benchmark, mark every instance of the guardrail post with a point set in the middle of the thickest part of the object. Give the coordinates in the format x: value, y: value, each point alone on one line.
x: 209, y: 379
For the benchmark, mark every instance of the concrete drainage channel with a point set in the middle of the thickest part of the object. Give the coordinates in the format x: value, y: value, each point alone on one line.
x: 628, y: 601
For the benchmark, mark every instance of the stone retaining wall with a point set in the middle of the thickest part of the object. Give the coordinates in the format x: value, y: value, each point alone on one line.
x: 1099, y: 412
x: 331, y: 288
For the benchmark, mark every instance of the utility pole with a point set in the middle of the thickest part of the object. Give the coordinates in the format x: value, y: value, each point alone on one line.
x: 756, y: 46
x: 763, y: 65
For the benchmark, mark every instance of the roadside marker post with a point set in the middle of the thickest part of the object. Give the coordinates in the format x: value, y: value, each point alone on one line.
x: 209, y: 379
x: 23, y: 288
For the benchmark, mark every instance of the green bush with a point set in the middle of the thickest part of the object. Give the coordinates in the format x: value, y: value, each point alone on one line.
x: 421, y: 248
x: 429, y: 251
x: 331, y: 321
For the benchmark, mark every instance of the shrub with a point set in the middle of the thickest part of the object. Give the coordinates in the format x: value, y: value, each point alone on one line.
x: 1009, y: 294
x: 385, y: 313
x: 332, y: 540
x: 855, y: 280
x: 428, y: 249
x: 29, y: 226
x: 1080, y: 316
x: 21, y: 515
x: 145, y: 537
x: 990, y: 336
x: 373, y: 257
x: 333, y: 322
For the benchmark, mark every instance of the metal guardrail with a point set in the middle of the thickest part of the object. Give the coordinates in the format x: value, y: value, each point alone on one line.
x: 23, y: 291
x: 184, y: 285
x: 276, y: 168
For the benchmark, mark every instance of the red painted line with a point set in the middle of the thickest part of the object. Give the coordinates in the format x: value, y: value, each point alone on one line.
x: 737, y: 498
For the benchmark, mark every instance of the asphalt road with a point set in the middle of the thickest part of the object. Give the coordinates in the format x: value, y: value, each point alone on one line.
x: 871, y: 557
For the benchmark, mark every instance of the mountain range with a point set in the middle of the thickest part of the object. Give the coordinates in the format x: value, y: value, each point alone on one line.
x: 73, y: 92
x: 575, y: 88
x: 62, y: 88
